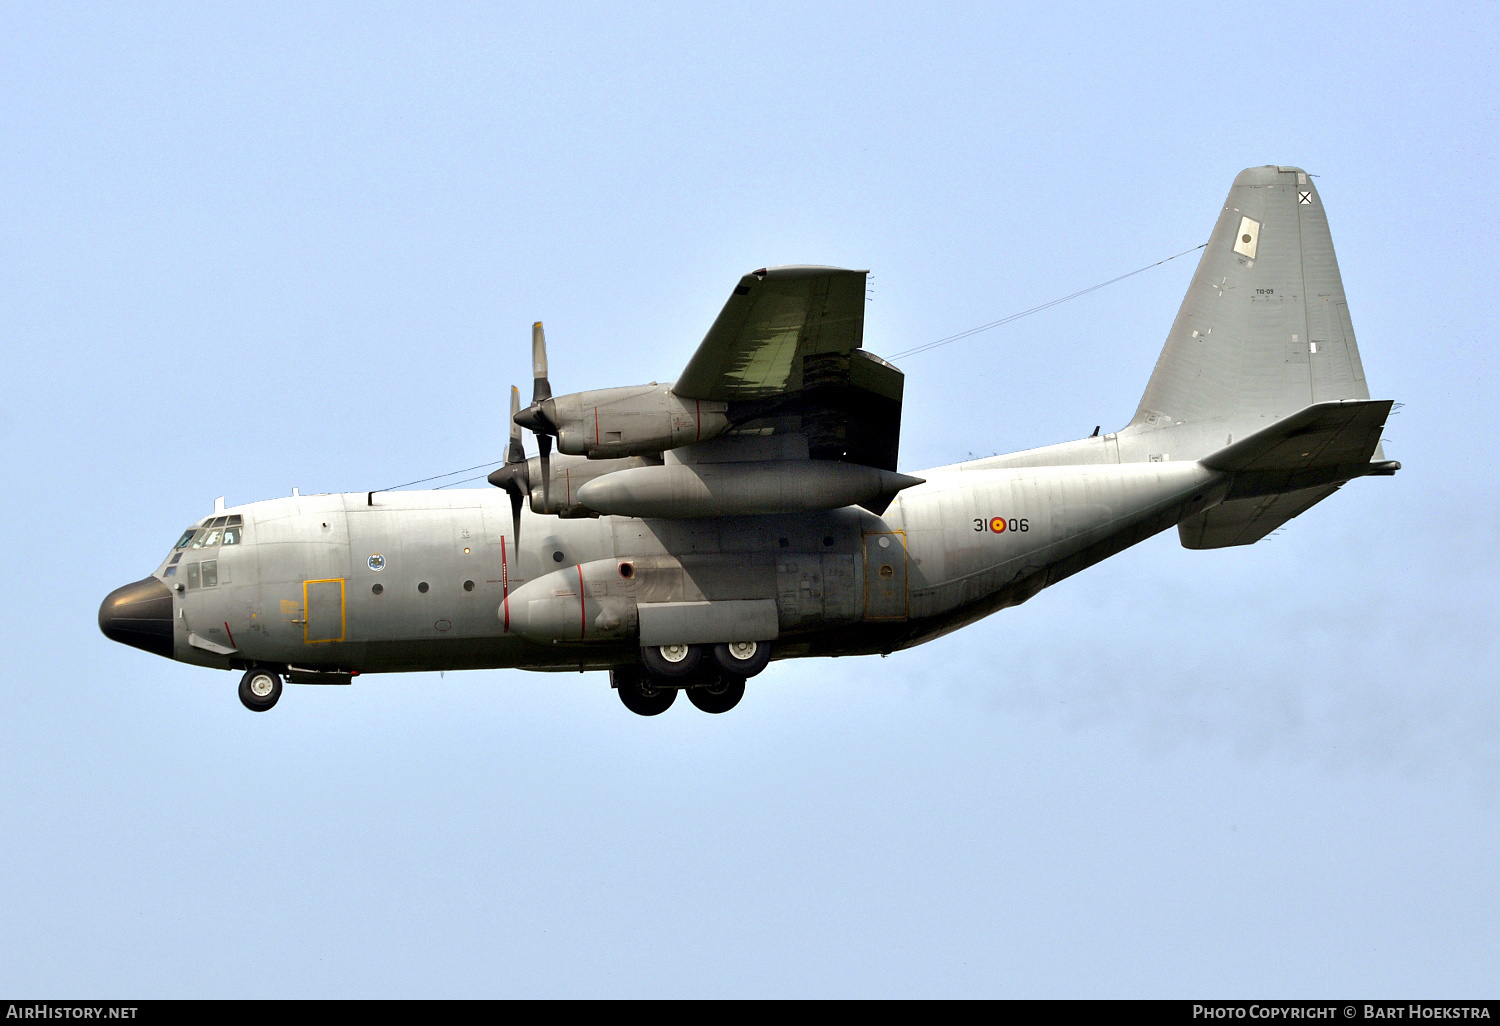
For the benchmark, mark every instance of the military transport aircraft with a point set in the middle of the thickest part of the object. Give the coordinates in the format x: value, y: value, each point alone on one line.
x: 685, y: 534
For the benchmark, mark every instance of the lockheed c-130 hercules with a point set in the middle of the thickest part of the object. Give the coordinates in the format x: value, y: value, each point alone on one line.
x: 683, y: 535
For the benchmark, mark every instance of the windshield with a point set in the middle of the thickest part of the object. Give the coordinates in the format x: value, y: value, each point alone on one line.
x: 187, y: 536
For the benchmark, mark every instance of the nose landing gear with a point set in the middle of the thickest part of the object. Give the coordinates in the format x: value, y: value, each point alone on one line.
x: 260, y: 689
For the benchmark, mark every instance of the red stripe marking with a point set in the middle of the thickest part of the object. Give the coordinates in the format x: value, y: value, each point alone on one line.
x: 230, y: 633
x: 504, y: 584
x: 583, y: 623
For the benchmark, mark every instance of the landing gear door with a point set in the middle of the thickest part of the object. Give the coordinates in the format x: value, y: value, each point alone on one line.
x: 885, y: 575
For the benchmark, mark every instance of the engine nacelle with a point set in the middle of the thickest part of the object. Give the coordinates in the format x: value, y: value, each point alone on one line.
x: 568, y: 475
x: 677, y: 490
x: 588, y: 602
x: 632, y: 421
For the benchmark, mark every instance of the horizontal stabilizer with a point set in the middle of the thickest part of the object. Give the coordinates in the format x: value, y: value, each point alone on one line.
x: 1245, y: 521
x: 1286, y: 468
x: 1328, y: 434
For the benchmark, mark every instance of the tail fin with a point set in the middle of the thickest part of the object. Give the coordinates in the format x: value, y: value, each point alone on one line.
x: 1264, y: 329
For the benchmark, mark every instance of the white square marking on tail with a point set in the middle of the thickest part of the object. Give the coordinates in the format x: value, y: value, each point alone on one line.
x: 1248, y: 237
x: 1304, y: 197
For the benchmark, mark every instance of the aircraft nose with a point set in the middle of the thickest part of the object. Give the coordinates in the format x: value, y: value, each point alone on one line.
x: 139, y: 615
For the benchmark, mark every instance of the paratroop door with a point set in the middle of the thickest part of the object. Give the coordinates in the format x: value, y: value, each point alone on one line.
x: 885, y: 576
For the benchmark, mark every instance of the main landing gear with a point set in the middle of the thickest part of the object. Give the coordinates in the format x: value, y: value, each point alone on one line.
x: 713, y: 676
x: 640, y: 693
x: 260, y: 689
x: 720, y: 696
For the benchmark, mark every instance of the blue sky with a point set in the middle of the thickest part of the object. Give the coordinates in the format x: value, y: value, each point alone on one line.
x: 246, y: 250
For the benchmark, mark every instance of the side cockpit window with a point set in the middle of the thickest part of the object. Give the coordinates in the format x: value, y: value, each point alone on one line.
x: 187, y: 536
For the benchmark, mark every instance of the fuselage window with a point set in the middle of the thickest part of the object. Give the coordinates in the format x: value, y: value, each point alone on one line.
x: 192, y: 575
x: 175, y: 557
x: 187, y: 536
x: 210, y: 573
x: 171, y: 571
x: 232, y: 535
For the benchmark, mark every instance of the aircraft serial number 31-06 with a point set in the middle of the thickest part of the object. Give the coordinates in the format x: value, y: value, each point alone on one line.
x: 999, y: 525
x: 684, y: 535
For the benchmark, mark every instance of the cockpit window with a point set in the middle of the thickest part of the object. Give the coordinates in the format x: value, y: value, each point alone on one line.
x: 226, y: 530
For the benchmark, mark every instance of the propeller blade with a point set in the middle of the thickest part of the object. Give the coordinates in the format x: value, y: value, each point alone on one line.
x: 517, y: 452
x: 515, y: 479
x: 541, y: 388
x: 544, y: 444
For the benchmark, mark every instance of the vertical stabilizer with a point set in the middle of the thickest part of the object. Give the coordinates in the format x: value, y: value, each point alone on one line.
x: 1264, y: 329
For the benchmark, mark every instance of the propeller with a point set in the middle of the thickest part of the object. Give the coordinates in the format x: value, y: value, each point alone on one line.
x: 514, y: 476
x: 538, y: 416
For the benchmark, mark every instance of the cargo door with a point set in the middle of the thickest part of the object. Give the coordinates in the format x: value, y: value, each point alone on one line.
x: 885, y: 575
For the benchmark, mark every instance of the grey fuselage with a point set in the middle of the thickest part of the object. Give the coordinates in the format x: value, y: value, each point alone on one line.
x: 300, y: 588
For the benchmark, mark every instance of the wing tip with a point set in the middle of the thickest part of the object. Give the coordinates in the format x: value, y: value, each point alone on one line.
x: 800, y: 271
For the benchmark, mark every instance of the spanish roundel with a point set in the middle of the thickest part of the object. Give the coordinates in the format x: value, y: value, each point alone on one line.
x: 997, y: 524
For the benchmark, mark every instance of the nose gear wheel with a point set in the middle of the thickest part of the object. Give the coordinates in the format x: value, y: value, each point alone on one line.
x: 260, y: 689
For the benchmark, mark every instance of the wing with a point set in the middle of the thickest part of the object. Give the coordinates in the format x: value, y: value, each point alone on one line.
x: 785, y: 354
x: 776, y: 318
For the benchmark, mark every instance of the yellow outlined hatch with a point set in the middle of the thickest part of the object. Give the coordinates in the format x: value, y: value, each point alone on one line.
x: 318, y: 621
